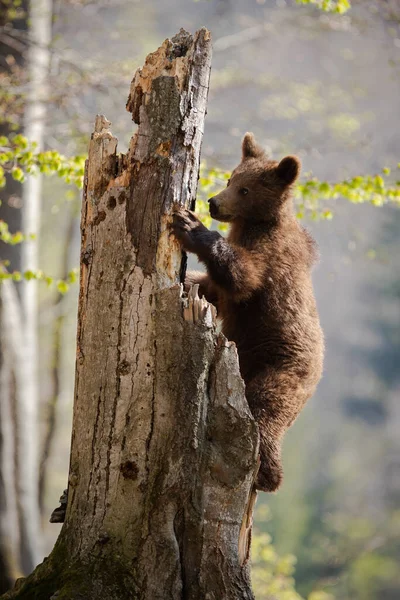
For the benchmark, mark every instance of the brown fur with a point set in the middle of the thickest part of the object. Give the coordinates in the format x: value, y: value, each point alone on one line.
x: 260, y: 280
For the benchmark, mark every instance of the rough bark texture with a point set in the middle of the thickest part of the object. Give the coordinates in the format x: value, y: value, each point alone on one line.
x: 164, y: 447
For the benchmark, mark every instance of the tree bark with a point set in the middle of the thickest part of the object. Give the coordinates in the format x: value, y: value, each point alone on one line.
x: 164, y: 447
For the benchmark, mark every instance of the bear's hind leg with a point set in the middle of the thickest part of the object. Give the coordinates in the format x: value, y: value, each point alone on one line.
x: 270, y: 474
x: 272, y: 400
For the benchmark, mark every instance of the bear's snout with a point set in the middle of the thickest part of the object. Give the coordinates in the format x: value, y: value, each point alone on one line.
x: 213, y: 202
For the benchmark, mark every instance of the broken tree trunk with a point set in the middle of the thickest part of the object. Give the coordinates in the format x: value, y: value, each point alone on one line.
x: 164, y: 447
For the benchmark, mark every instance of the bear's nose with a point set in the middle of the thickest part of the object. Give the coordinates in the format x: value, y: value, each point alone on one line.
x: 213, y: 206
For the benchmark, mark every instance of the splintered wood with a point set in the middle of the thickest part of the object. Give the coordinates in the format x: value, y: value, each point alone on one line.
x: 198, y: 309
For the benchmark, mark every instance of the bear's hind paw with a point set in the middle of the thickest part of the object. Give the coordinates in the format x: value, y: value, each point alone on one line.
x: 268, y: 480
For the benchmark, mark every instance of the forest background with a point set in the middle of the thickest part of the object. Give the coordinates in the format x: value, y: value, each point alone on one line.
x: 323, y: 84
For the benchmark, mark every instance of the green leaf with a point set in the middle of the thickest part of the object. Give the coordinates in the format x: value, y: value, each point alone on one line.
x: 324, y: 188
x: 335, y: 6
x: 62, y: 286
x: 17, y: 174
x: 29, y: 275
x: 20, y: 140
x: 73, y: 275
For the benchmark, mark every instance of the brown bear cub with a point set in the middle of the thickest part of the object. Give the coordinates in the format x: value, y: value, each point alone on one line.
x: 259, y: 278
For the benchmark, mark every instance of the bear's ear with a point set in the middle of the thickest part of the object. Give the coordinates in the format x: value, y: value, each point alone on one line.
x: 250, y: 148
x: 289, y: 169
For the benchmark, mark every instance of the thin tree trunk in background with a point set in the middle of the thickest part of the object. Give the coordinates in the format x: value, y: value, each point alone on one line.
x: 164, y: 447
x: 11, y: 375
x: 40, y: 15
x: 12, y: 61
x: 9, y: 525
x: 55, y: 361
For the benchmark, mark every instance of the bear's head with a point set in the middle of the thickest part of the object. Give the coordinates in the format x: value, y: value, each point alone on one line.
x: 258, y: 188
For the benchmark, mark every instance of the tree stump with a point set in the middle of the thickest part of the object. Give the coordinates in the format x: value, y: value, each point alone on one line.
x: 164, y: 447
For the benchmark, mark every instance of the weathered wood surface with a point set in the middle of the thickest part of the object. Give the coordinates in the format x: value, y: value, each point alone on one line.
x: 164, y: 446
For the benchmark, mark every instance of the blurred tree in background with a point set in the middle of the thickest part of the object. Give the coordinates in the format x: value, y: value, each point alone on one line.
x: 337, y: 512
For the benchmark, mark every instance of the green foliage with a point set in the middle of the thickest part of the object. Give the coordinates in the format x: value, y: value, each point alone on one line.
x: 335, y: 6
x: 312, y: 194
x: 18, y: 156
x: 371, y: 573
x: 13, y: 10
x: 12, y: 238
x: 272, y: 575
x: 373, y: 189
x: 62, y: 284
x: 209, y: 182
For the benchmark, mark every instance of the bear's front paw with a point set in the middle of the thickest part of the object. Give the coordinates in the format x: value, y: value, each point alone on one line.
x: 187, y: 228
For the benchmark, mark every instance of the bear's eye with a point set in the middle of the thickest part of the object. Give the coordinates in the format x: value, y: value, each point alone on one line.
x: 228, y: 182
x: 244, y: 191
